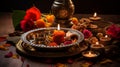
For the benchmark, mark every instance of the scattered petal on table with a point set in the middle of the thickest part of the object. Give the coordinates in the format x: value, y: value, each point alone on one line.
x: 15, y: 56
x: 2, y: 39
x: 10, y: 54
x: 22, y: 59
x: 6, y: 45
x: 86, y: 64
x: 27, y: 65
x: 60, y: 65
x: 3, y: 48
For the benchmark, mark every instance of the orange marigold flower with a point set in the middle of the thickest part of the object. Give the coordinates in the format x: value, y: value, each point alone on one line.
x: 52, y: 44
x: 40, y: 23
x: 50, y: 18
x: 74, y: 20
x: 48, y: 24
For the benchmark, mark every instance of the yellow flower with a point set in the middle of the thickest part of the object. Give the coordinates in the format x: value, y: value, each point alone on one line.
x: 50, y: 18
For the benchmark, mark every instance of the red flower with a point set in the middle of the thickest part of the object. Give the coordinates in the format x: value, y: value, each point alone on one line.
x: 27, y: 25
x: 87, y: 33
x: 67, y: 42
x: 32, y: 14
x: 113, y: 31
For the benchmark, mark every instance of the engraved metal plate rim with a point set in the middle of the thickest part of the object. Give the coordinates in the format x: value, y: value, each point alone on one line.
x: 78, y: 33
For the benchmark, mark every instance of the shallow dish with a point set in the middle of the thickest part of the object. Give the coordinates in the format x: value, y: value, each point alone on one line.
x: 41, y: 34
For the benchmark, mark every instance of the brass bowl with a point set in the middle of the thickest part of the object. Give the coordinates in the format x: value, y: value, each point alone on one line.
x: 41, y: 34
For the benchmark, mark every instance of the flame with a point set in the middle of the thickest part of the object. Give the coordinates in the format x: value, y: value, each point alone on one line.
x: 58, y: 27
x: 95, y: 14
x: 89, y: 52
x: 97, y: 43
x: 106, y: 36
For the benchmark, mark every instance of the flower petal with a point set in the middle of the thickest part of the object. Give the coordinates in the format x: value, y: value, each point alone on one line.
x: 33, y: 13
x: 8, y: 55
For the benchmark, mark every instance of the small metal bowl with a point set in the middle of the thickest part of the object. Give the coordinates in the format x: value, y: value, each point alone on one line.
x: 38, y: 34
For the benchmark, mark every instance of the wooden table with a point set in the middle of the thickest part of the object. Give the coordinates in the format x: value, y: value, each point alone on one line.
x: 6, y: 26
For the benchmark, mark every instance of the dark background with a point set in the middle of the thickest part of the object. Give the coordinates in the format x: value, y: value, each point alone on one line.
x: 81, y: 6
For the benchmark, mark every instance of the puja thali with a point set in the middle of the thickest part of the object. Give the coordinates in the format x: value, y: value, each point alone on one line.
x: 36, y: 49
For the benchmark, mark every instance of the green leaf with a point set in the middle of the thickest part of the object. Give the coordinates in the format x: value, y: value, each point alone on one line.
x: 17, y: 16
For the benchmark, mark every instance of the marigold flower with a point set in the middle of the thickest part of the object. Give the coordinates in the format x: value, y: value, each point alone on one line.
x: 52, y: 44
x: 74, y: 20
x: 50, y: 18
x: 40, y: 23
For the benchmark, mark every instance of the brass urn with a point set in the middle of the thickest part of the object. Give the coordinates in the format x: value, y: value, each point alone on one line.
x: 63, y: 11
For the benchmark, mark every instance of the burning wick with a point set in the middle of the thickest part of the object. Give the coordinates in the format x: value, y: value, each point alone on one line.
x: 106, y: 36
x: 95, y: 17
x: 95, y: 14
x: 105, y: 40
x: 58, y: 27
x: 97, y: 43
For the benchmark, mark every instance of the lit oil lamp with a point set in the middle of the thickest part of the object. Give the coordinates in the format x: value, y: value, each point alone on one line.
x: 58, y: 35
x: 105, y: 40
x: 90, y: 54
x: 98, y: 47
x: 93, y: 40
x: 95, y: 17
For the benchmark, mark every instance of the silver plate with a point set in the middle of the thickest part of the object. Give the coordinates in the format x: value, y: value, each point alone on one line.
x: 34, y: 53
x: 78, y: 33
